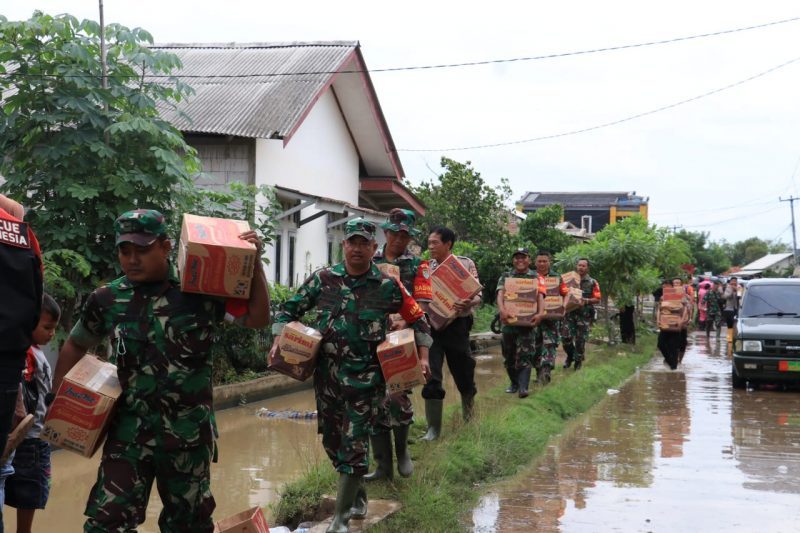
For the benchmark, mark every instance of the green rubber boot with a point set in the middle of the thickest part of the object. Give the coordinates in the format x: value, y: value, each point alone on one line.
x: 345, y: 498
x: 404, y: 465
x: 433, y: 414
x: 382, y: 452
x: 359, y: 508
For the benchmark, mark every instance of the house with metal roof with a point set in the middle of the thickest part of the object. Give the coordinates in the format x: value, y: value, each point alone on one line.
x: 588, y: 211
x: 304, y: 118
x: 773, y: 262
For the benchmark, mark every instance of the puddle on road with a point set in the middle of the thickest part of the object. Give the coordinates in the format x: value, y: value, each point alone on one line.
x: 673, y: 451
x: 256, y: 457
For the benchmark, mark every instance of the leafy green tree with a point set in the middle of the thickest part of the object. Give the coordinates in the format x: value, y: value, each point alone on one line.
x: 706, y: 255
x: 744, y: 252
x: 461, y: 200
x: 539, y: 228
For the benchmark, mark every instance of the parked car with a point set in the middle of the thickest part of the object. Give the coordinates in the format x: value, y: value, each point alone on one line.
x: 767, y: 343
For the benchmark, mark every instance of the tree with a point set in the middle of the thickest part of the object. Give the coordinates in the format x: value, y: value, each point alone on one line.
x: 461, y: 200
x: 539, y: 229
x: 744, y: 252
x: 706, y: 255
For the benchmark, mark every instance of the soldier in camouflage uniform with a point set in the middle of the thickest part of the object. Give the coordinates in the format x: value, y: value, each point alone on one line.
x: 354, y: 300
x: 548, y: 331
x: 578, y: 321
x: 518, y: 342
x: 713, y: 301
x: 163, y: 427
x: 414, y: 274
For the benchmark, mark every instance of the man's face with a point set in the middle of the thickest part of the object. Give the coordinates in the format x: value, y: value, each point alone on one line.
x: 438, y: 249
x: 397, y: 242
x: 677, y: 283
x: 45, y: 330
x: 358, y: 252
x: 143, y: 264
x: 521, y: 262
x: 733, y: 283
x: 542, y: 264
x: 582, y: 267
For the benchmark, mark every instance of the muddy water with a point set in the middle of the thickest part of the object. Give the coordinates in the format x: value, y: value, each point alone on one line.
x: 671, y: 451
x: 257, y: 456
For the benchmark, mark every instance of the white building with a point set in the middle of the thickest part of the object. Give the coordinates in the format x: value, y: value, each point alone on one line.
x: 774, y: 262
x: 304, y: 118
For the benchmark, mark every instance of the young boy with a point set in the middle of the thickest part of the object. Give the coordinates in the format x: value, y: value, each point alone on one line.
x: 29, y: 486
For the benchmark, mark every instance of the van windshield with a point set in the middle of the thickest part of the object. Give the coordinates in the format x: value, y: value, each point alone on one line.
x: 771, y: 300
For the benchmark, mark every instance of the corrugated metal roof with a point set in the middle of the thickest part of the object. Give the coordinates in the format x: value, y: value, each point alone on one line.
x: 767, y: 261
x: 254, y: 89
x: 579, y: 199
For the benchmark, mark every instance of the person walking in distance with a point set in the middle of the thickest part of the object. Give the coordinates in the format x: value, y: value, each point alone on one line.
x: 579, y: 321
x: 450, y: 343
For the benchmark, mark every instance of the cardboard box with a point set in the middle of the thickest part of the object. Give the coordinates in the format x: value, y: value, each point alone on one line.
x: 79, y: 416
x: 249, y: 521
x: 573, y: 300
x: 572, y: 280
x: 672, y: 294
x: 552, y: 286
x: 296, y: 353
x: 390, y: 270
x: 400, y: 362
x: 450, y: 282
x: 672, y: 305
x: 525, y: 289
x: 212, y: 259
x: 522, y: 311
x: 554, y: 307
x: 668, y: 322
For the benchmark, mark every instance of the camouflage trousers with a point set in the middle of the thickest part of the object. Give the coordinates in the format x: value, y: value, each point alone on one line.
x: 574, y: 334
x: 118, y: 500
x: 547, y: 337
x: 400, y: 409
x: 346, y: 416
x: 519, y: 347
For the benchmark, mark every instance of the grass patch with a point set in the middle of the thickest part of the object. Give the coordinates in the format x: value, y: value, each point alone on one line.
x: 505, y: 435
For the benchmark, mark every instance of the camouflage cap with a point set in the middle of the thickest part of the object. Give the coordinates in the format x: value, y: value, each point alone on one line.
x: 402, y: 220
x: 140, y: 226
x: 520, y: 251
x: 360, y: 226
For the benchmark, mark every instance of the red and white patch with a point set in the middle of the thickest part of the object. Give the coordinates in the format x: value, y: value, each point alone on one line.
x: 14, y: 233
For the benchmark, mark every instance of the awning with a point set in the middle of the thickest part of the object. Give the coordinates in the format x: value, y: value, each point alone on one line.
x: 324, y: 206
x: 384, y: 194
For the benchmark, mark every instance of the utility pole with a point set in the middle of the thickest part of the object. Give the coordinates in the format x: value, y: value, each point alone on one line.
x: 791, y: 200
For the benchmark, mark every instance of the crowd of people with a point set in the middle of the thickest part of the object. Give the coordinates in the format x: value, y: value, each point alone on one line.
x: 164, y: 430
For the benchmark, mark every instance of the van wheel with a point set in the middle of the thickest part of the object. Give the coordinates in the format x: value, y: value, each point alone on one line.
x: 736, y: 381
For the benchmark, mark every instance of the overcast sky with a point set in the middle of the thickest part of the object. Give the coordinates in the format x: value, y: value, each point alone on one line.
x: 717, y: 164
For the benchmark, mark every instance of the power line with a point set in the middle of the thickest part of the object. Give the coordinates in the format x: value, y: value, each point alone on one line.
x: 429, y: 67
x: 751, y: 203
x: 606, y: 124
x: 718, y: 222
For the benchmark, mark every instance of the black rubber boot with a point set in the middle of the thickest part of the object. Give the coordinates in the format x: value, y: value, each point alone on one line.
x: 382, y: 452
x: 345, y: 498
x: 543, y: 375
x: 433, y: 414
x: 524, y: 381
x: 578, y: 364
x: 404, y: 465
x: 467, y: 407
x: 570, y: 349
x: 359, y: 508
x: 512, y: 376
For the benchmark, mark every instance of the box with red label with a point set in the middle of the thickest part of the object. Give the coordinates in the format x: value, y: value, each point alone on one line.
x: 553, y: 307
x: 522, y: 312
x: 212, y: 259
x: 450, y: 282
x: 296, y: 353
x: 81, y: 411
x: 571, y: 279
x: 573, y: 300
x: 400, y: 362
x: 526, y: 289
x: 552, y: 286
x: 671, y: 294
x: 670, y: 321
x: 249, y: 521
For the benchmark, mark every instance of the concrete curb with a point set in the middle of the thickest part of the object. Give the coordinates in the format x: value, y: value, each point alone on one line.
x: 234, y: 394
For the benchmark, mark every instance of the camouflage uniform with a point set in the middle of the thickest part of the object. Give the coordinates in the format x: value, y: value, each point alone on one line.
x: 576, y: 324
x: 548, y: 331
x: 519, y: 342
x: 713, y: 301
x: 348, y: 382
x: 163, y: 426
x: 401, y: 411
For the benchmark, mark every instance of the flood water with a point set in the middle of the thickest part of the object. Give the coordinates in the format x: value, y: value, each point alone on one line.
x: 256, y: 457
x: 671, y: 451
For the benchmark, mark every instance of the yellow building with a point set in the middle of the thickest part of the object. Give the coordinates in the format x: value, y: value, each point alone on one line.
x: 591, y: 211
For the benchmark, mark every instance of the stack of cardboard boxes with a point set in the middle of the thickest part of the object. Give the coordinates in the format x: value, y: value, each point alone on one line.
x: 553, y: 301
x: 450, y: 282
x: 573, y: 299
x: 671, y: 309
x: 520, y: 298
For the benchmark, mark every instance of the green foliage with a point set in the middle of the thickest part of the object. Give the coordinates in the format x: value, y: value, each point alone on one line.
x: 539, y: 228
x: 78, y: 154
x: 63, y: 270
x: 483, y: 318
x: 461, y: 200
x: 706, y: 255
x: 749, y: 250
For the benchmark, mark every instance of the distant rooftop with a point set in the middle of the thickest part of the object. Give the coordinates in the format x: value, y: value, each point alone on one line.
x: 766, y: 262
x: 582, y: 199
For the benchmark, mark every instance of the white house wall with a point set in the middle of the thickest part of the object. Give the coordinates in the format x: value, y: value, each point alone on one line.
x: 320, y: 160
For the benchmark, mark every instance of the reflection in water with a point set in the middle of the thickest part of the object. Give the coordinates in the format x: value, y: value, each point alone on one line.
x: 673, y: 451
x: 256, y: 457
